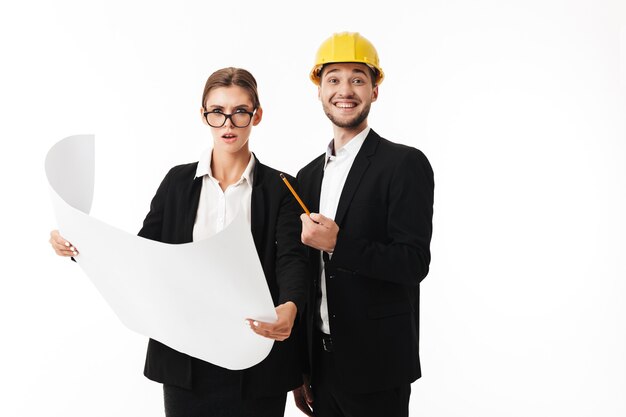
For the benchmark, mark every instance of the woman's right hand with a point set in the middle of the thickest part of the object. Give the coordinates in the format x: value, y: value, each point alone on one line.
x: 61, y: 246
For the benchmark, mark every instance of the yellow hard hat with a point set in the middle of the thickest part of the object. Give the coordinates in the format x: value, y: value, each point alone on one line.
x: 346, y: 47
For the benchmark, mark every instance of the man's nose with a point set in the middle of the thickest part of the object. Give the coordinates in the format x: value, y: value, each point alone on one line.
x: 345, y: 90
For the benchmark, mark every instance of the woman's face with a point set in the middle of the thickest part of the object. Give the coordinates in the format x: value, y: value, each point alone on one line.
x: 230, y: 101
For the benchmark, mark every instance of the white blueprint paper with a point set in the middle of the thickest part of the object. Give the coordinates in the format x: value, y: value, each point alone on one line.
x: 193, y: 297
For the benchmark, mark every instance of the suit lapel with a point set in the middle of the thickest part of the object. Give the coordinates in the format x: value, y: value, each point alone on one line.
x: 257, y: 211
x: 361, y: 162
x: 192, y: 208
x: 316, y: 189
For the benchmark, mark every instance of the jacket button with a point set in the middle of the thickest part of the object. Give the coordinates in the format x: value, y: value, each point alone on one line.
x: 331, y: 276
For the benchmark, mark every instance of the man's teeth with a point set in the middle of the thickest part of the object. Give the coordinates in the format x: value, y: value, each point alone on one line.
x: 345, y: 105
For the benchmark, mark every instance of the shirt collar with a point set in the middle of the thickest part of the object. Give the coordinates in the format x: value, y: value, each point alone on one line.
x: 248, y: 173
x: 352, y: 147
x: 204, y: 167
x: 204, y: 164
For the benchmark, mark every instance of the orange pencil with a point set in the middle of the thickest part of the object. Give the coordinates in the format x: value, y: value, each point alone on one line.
x: 306, y: 210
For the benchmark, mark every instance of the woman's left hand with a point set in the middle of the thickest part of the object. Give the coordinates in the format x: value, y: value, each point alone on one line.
x: 281, y: 329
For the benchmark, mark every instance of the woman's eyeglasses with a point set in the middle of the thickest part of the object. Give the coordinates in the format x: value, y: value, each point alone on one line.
x: 218, y: 119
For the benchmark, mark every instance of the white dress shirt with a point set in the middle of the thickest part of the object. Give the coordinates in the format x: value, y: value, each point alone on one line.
x: 336, y: 169
x: 218, y: 208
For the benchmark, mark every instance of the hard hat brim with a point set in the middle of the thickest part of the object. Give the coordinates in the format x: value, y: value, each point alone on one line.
x: 317, y: 70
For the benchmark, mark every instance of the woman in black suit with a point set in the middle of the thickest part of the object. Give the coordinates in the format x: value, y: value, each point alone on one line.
x: 197, y: 200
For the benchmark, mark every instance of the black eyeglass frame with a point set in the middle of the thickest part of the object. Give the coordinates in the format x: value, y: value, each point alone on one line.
x: 229, y: 116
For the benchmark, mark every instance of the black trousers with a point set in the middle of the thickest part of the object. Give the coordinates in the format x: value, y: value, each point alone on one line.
x: 329, y: 400
x: 216, y: 392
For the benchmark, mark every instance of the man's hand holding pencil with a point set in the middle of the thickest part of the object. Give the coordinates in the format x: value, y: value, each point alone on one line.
x: 318, y: 231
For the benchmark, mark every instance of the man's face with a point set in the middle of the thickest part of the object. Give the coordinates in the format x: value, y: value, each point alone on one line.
x: 346, y: 91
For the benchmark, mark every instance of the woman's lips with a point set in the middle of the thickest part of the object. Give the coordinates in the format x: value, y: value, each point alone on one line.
x: 229, y: 137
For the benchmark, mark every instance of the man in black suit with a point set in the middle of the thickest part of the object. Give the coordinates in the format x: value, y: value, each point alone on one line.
x: 369, y: 235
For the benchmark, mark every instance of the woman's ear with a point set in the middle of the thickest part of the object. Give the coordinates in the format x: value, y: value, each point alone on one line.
x: 258, y: 115
x: 202, y: 116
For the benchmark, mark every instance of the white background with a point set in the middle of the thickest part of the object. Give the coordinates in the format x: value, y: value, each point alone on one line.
x: 519, y: 105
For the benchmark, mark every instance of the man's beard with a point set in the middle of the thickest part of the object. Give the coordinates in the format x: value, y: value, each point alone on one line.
x: 349, y: 124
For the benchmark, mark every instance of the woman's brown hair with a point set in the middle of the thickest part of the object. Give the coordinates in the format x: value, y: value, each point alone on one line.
x: 226, y: 77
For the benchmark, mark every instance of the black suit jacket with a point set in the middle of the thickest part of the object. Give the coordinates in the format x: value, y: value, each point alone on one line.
x: 382, y: 254
x: 276, y: 229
